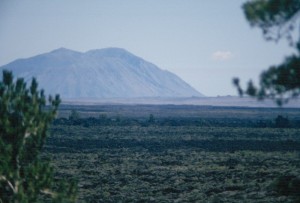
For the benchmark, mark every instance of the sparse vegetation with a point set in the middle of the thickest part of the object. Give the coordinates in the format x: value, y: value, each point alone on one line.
x: 181, y: 157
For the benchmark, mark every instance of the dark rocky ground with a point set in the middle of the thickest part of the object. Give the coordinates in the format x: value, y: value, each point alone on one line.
x: 175, y: 164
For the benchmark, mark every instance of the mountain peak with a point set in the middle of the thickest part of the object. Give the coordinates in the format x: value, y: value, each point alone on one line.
x: 111, y: 52
x: 116, y: 53
x: 101, y: 73
x: 63, y: 50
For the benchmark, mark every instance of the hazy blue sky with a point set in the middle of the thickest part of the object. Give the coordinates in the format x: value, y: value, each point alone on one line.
x: 205, y: 42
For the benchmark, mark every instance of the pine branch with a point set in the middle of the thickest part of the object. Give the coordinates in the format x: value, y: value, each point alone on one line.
x: 9, y: 183
x: 49, y: 192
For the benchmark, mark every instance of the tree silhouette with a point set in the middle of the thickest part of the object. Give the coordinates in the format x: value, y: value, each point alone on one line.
x: 25, y: 116
x: 277, y: 19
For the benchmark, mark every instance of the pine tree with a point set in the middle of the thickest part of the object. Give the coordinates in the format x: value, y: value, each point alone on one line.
x: 277, y: 19
x: 25, y: 116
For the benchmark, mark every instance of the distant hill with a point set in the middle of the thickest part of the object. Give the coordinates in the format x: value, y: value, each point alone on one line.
x: 103, y: 73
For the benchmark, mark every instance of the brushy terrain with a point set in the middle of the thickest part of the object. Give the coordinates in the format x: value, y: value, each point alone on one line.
x: 190, y: 155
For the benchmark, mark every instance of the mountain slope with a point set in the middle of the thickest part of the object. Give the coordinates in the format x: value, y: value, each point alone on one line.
x: 103, y: 73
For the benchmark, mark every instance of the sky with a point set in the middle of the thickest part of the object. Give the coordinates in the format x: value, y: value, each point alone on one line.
x: 204, y: 42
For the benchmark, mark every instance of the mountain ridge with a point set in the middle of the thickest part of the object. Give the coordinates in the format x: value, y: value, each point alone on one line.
x: 99, y: 73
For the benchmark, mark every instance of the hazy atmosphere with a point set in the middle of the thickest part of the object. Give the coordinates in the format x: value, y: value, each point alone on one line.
x: 206, y: 43
x: 139, y: 101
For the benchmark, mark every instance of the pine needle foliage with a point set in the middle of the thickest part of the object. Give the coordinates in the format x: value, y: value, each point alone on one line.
x: 25, y: 116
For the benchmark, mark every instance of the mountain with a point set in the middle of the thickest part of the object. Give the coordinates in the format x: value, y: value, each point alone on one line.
x: 102, y: 73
